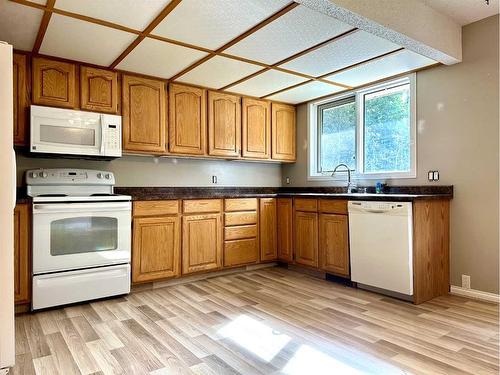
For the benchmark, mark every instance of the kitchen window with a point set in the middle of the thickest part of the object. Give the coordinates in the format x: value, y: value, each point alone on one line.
x: 371, y: 130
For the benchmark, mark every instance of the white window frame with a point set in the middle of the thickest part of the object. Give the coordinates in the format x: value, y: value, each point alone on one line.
x: 313, y: 126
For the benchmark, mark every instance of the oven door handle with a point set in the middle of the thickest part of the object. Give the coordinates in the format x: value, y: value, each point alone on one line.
x: 82, y: 207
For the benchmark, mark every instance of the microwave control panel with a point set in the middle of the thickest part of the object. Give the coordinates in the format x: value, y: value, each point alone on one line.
x: 112, y: 128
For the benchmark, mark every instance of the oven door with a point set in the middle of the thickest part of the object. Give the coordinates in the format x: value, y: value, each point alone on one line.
x: 69, y: 236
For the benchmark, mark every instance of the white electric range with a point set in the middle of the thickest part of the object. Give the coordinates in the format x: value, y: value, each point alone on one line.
x: 81, y: 236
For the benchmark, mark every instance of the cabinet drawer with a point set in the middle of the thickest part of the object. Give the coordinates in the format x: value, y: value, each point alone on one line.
x: 240, y: 204
x: 156, y: 208
x: 237, y: 233
x: 240, y: 252
x: 240, y: 218
x: 333, y: 206
x: 308, y: 205
x: 202, y: 205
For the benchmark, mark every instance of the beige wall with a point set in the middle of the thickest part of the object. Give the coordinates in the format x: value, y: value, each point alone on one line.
x: 149, y: 171
x: 458, y: 134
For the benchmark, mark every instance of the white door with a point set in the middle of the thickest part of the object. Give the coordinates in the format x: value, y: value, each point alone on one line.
x: 7, y: 203
x: 68, y: 236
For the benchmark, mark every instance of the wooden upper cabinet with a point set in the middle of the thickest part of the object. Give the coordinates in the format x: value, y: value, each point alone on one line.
x: 284, y: 211
x: 334, y: 244
x: 306, y: 238
x: 54, y: 83
x: 21, y: 100
x: 268, y: 229
x: 98, y: 90
x: 256, y: 129
x: 283, y: 132
x: 22, y: 232
x: 156, y: 248
x: 187, y: 120
x: 224, y: 124
x: 144, y: 118
x: 201, y: 242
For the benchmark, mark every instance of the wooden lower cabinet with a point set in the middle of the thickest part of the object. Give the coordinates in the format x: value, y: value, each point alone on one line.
x: 156, y: 248
x: 284, y: 213
x: 22, y: 232
x: 201, y: 242
x: 334, y: 244
x: 268, y: 230
x: 306, y: 238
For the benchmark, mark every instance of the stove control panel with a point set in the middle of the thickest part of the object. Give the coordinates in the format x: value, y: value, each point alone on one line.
x: 64, y: 176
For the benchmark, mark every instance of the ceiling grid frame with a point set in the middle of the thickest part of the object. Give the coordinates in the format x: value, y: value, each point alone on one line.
x: 50, y: 8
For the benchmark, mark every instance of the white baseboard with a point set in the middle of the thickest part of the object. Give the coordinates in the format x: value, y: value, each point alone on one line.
x: 476, y: 294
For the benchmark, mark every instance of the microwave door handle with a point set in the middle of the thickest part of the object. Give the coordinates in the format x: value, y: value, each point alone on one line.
x: 102, y: 135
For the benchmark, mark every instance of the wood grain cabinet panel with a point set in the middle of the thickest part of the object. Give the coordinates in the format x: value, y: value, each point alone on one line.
x: 306, y: 238
x: 21, y: 100
x: 54, y: 83
x: 144, y: 118
x: 98, y: 90
x: 241, y: 252
x: 188, y: 123
x: 224, y: 124
x: 156, y: 208
x: 283, y: 132
x: 334, y: 244
x: 240, y: 204
x: 268, y: 229
x: 22, y: 233
x: 256, y: 129
x: 284, y: 209
x: 156, y: 248
x: 201, y: 243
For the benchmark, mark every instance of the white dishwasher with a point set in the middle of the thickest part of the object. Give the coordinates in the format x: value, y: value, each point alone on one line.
x: 381, y: 246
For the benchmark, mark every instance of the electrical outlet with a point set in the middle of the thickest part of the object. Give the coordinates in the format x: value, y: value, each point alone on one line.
x: 430, y: 175
x: 466, y: 281
x: 214, y: 179
x: 435, y: 176
x: 287, y: 180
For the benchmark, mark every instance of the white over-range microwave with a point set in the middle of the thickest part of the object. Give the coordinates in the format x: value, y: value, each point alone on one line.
x: 70, y: 132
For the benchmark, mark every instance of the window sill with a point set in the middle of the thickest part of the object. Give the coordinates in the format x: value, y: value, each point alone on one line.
x: 401, y: 176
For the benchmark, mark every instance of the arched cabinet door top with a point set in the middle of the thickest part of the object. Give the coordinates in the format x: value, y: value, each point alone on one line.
x: 224, y: 124
x: 144, y: 115
x: 99, y: 90
x: 54, y: 83
x: 187, y: 120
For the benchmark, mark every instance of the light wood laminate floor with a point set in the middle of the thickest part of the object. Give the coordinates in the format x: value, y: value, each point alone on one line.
x: 269, y: 321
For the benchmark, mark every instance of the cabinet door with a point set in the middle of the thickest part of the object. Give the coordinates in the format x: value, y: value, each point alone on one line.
x: 22, y: 279
x: 284, y: 216
x: 144, y: 121
x: 283, y: 132
x: 224, y: 124
x: 268, y: 229
x: 306, y: 238
x: 98, y: 90
x: 54, y: 83
x: 201, y: 243
x: 21, y: 100
x: 156, y: 248
x: 188, y: 123
x: 334, y: 244
x: 256, y: 128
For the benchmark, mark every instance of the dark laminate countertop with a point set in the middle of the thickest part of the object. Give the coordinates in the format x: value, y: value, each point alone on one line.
x: 391, y: 193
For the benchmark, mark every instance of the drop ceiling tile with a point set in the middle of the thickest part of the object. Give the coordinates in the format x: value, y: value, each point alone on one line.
x: 351, y: 49
x: 19, y: 24
x: 306, y: 92
x: 293, y: 32
x: 219, y: 72
x: 136, y: 14
x: 266, y: 83
x: 84, y: 41
x: 385, y: 67
x: 161, y: 59
x: 212, y: 23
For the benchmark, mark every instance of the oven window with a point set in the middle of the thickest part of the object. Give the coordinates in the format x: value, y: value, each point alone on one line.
x: 83, y: 235
x: 67, y: 135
